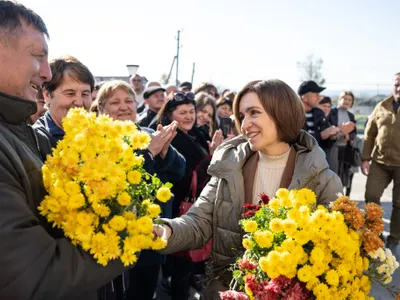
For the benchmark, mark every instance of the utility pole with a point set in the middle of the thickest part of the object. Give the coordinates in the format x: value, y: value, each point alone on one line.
x: 194, y: 64
x: 177, y: 59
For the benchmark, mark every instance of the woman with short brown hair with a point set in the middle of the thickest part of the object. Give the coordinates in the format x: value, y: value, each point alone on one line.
x: 273, y: 152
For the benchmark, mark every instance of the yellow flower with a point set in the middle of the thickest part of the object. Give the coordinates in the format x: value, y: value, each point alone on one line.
x: 282, y: 193
x: 128, y: 258
x: 332, y: 278
x: 289, y: 227
x: 101, y: 209
x: 301, y: 237
x: 250, y: 225
x: 163, y: 194
x: 117, y: 223
x: 247, y: 244
x: 145, y: 225
x: 134, y: 177
x: 264, y: 239
x: 76, y: 201
x: 305, y: 273
x: 153, y: 210
x: 321, y: 290
x: 72, y: 188
x: 159, y: 244
x: 276, y: 225
x: 317, y: 254
x: 124, y: 199
x: 294, y: 214
x: 274, y: 203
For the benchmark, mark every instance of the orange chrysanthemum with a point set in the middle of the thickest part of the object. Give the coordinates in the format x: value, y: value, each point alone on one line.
x: 376, y: 226
x: 355, y: 217
x: 374, y: 211
x: 372, y: 241
x: 344, y: 204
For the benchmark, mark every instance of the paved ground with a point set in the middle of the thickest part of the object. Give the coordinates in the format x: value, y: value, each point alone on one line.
x: 357, y: 193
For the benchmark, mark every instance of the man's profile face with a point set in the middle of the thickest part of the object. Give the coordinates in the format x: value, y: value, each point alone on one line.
x: 70, y: 94
x: 312, y: 99
x: 396, y: 87
x: 23, y: 62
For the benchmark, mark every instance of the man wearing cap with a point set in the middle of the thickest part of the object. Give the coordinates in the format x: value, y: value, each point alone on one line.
x: 316, y: 123
x: 154, y: 98
x: 186, y: 87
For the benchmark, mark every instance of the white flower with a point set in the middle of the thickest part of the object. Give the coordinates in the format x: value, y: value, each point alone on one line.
x: 381, y: 254
x: 387, y: 280
x: 383, y: 268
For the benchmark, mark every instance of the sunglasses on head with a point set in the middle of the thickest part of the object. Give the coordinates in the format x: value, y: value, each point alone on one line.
x: 180, y: 96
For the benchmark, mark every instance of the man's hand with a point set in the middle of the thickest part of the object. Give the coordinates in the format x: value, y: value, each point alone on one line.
x: 365, y: 167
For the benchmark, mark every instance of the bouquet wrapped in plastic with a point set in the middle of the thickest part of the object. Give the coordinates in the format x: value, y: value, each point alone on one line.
x: 98, y: 192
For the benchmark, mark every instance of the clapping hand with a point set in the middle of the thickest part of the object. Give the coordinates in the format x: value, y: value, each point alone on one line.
x: 161, y: 139
x: 217, y: 140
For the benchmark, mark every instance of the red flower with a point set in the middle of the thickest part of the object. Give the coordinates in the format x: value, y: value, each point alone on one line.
x: 245, y: 264
x: 233, y: 295
x: 249, y: 214
x: 264, y: 198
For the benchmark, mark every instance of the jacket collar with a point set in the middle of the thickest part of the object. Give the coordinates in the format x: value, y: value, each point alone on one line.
x: 14, y: 110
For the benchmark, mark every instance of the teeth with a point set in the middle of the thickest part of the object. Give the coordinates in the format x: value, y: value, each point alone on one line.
x: 250, y: 135
x: 34, y: 86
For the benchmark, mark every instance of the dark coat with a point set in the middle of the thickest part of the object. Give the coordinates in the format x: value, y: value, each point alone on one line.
x: 36, y: 261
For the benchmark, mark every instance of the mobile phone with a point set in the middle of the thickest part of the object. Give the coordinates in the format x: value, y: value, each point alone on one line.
x: 225, y: 124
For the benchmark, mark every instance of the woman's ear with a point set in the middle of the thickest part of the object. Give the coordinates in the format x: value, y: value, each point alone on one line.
x: 47, y: 97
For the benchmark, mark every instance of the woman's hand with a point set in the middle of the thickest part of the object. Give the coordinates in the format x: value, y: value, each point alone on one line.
x: 162, y: 231
x: 161, y: 139
x: 173, y: 126
x: 217, y: 140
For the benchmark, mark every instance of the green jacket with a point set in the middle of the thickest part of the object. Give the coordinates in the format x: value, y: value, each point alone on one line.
x: 383, y: 133
x: 217, y: 211
x: 36, y: 261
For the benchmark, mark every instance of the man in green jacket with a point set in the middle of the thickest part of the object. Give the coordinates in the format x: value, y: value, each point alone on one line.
x: 37, y: 262
x: 382, y: 133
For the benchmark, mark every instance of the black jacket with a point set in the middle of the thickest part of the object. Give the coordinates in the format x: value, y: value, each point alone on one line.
x: 36, y: 261
x: 320, y: 124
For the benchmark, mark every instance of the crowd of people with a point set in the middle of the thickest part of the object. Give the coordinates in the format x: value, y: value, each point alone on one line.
x: 221, y: 149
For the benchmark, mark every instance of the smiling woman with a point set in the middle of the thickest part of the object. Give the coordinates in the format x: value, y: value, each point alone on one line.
x: 273, y: 153
x: 117, y: 99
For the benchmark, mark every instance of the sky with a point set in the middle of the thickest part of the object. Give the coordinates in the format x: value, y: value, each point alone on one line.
x: 231, y: 42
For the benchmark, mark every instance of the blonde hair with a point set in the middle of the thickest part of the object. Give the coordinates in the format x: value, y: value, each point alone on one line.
x: 108, y: 89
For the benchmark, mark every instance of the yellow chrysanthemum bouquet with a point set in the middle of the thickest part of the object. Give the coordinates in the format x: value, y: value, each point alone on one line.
x: 98, y: 192
x: 298, y: 250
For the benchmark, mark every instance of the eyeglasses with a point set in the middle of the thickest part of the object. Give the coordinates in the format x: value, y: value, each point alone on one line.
x: 183, y: 96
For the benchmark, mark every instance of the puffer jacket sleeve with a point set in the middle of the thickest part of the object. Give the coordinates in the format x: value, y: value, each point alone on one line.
x: 194, y: 229
x: 329, y: 191
x: 35, y: 265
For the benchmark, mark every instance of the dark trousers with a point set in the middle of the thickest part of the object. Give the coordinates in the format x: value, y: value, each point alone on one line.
x: 142, y: 282
x: 379, y: 178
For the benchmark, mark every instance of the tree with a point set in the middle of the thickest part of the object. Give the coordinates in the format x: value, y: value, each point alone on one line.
x: 310, y: 69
